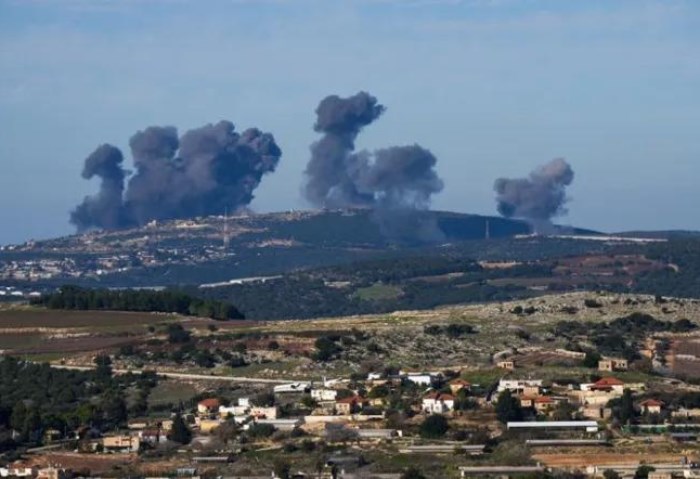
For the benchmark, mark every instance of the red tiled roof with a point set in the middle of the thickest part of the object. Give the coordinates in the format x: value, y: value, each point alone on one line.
x: 438, y: 396
x: 608, y: 382
x: 210, y: 403
x: 544, y: 400
x: 651, y: 402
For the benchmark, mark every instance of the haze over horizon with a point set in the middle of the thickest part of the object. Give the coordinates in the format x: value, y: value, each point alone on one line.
x: 493, y: 88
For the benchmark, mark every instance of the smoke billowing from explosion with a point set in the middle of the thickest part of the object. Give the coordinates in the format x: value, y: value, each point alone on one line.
x: 395, y: 182
x: 205, y: 171
x: 537, y: 198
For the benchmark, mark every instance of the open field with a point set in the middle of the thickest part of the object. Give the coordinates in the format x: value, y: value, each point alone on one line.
x: 27, y: 318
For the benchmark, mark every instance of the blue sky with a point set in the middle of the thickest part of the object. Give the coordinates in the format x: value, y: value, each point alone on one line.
x: 492, y: 87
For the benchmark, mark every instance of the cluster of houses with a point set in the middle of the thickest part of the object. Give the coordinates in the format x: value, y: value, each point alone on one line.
x: 30, y: 472
x: 332, y: 403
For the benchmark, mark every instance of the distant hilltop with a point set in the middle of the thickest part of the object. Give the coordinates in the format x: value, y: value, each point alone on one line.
x: 214, y: 249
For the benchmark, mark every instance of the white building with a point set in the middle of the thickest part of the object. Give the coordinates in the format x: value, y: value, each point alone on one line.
x: 438, y: 403
x: 518, y: 385
x: 324, y: 394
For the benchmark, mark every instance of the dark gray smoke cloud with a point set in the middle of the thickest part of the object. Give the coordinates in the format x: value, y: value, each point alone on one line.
x: 394, y: 181
x: 539, y: 197
x: 106, y: 163
x: 205, y: 171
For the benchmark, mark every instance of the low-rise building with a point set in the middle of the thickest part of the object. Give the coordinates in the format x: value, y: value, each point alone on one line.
x: 121, y: 444
x: 437, y: 403
x: 420, y: 379
x: 208, y: 406
x: 264, y: 412
x: 612, y: 364
x: 324, y: 394
x: 518, y: 386
x: 349, y: 405
x: 651, y: 406
x: 607, y: 384
x: 507, y: 364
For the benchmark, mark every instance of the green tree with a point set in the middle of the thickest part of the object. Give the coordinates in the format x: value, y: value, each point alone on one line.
x: 643, y: 471
x: 180, y: 433
x: 591, y: 360
x: 412, y: 473
x: 610, y: 474
x: 508, y: 407
x: 624, y: 411
x: 434, y: 426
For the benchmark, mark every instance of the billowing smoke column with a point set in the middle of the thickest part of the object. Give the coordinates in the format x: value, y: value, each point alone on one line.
x: 105, y: 162
x: 395, y: 182
x: 205, y: 171
x: 537, y: 198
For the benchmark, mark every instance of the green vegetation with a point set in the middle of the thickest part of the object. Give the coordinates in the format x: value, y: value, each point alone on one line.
x: 620, y: 337
x: 75, y: 298
x: 378, y: 292
x: 35, y: 398
x: 434, y: 426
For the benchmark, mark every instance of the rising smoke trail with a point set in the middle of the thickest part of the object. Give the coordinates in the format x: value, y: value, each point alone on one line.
x: 537, y: 198
x: 396, y: 182
x: 205, y: 171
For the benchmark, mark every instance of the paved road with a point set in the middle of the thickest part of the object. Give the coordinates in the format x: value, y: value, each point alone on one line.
x: 196, y: 377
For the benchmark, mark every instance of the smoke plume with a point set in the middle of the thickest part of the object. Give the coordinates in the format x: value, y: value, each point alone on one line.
x: 537, y: 198
x: 205, y: 171
x: 106, y: 163
x: 395, y: 182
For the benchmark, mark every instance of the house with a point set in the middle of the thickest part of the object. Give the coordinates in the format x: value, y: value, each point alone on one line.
x: 264, y: 412
x: 612, y: 364
x: 53, y: 473
x: 208, y: 406
x: 508, y: 364
x: 544, y: 404
x: 608, y: 384
x: 121, y: 444
x: 324, y: 394
x: 527, y: 401
x: 17, y: 472
x: 686, y: 413
x: 518, y: 386
x: 153, y: 436
x: 437, y: 403
x: 651, y: 406
x: 420, y: 379
x: 348, y: 405
x: 595, y: 412
x: 456, y: 385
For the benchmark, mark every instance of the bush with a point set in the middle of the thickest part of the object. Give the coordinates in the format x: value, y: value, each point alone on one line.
x: 261, y: 431
x: 434, y: 426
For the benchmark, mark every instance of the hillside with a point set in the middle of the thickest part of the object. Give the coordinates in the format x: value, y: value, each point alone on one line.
x: 213, y: 249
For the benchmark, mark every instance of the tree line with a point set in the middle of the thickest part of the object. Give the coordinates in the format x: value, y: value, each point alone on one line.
x: 167, y: 301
